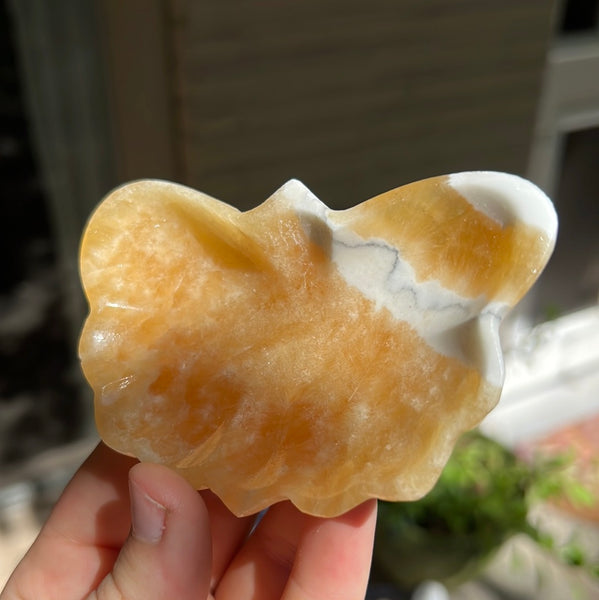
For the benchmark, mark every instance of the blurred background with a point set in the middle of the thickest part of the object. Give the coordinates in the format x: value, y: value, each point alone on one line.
x: 234, y: 98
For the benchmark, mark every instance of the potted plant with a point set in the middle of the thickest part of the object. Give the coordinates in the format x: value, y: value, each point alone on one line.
x: 481, y: 499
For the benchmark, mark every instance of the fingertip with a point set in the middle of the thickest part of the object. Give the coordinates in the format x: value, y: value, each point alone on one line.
x: 334, y: 556
x: 361, y: 515
x: 164, y: 485
x: 176, y: 511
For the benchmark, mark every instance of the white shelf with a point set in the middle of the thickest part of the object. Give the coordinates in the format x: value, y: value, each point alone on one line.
x: 552, y: 380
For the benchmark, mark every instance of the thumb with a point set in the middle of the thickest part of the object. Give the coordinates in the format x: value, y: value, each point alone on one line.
x: 168, y: 553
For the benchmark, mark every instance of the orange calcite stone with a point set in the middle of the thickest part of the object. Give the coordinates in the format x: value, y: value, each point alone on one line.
x: 295, y: 352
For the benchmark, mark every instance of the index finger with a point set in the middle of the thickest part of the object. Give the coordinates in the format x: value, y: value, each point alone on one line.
x: 84, y: 533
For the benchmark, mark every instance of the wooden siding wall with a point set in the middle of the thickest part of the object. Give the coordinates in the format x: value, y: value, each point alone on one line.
x: 351, y: 97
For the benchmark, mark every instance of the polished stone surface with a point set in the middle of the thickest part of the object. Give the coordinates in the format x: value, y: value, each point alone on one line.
x: 296, y: 352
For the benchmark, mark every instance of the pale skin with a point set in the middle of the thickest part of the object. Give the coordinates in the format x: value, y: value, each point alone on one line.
x: 124, y: 530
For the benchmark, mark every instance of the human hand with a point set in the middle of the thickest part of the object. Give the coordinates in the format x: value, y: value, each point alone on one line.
x: 128, y: 531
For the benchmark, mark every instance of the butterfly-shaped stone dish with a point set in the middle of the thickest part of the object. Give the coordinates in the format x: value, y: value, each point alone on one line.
x: 293, y: 351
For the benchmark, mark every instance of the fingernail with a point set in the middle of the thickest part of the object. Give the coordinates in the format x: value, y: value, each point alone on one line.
x: 148, y: 517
